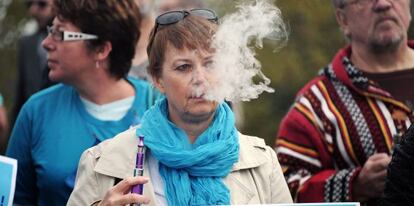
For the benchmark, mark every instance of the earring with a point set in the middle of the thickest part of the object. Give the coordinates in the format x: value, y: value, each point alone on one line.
x: 97, y: 64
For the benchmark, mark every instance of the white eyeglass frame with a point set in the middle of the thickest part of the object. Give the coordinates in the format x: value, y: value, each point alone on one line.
x: 69, y: 35
x: 75, y: 36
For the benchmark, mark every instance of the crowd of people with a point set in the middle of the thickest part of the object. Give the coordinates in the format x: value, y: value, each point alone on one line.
x: 96, y: 74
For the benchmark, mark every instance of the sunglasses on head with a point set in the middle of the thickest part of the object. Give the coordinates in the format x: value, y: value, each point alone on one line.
x: 40, y: 4
x: 172, y: 17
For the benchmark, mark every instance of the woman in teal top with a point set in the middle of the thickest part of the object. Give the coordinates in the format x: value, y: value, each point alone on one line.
x: 90, y: 46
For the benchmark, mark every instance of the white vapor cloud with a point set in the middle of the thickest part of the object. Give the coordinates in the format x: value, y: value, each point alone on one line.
x: 237, y: 37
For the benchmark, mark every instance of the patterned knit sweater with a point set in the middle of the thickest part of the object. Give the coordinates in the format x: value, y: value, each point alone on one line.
x: 338, y: 120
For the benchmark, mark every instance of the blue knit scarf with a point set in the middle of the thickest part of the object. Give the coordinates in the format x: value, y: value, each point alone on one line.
x: 192, y: 173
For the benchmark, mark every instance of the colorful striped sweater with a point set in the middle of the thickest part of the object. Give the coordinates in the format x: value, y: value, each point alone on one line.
x: 338, y: 120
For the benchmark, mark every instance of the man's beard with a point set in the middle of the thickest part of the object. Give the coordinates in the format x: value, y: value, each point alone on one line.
x: 380, y: 46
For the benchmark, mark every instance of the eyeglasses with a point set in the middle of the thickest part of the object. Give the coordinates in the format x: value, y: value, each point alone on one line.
x: 173, y: 17
x: 69, y: 35
x: 362, y: 3
x: 40, y: 4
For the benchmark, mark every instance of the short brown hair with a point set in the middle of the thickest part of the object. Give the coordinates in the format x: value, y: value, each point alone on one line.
x: 116, y: 21
x: 192, y: 32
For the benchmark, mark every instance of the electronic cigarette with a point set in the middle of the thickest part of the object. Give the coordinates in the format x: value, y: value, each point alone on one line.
x: 139, y: 166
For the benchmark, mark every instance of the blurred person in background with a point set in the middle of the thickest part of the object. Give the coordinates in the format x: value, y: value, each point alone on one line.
x: 195, y: 155
x: 4, y: 126
x: 32, y: 71
x: 335, y: 142
x: 90, y: 47
x: 140, y: 60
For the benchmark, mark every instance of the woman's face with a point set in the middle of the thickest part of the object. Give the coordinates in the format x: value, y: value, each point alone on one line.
x: 185, y: 77
x: 69, y: 61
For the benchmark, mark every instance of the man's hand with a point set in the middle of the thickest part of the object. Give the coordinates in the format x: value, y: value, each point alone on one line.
x: 120, y: 193
x: 370, y: 182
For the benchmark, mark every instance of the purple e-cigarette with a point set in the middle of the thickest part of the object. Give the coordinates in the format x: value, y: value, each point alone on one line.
x: 139, y: 165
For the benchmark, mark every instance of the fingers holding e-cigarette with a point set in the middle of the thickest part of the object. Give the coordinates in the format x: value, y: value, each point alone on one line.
x: 125, y: 185
x: 120, y: 193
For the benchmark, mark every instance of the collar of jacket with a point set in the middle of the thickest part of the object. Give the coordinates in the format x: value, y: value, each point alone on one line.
x: 118, y: 158
x: 347, y: 73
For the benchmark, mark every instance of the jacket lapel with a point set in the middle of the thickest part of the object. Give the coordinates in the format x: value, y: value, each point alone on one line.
x: 247, y: 154
x: 118, y: 160
x: 243, y: 191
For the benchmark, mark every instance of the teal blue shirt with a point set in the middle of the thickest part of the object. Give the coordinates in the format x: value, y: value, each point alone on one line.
x: 50, y: 134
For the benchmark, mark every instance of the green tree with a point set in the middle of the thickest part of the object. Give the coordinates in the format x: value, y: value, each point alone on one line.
x: 12, y: 20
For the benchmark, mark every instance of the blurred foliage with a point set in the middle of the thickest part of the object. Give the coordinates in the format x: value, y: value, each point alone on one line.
x: 12, y: 20
x: 313, y: 40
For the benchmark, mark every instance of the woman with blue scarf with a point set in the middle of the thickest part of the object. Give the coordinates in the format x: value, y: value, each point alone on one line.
x: 195, y: 155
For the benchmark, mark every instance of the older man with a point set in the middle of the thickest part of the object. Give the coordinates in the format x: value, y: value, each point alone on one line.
x: 334, y: 144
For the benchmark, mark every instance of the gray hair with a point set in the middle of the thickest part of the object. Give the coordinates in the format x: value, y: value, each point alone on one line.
x: 338, y: 3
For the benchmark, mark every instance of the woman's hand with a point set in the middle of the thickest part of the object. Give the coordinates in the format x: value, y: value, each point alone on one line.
x: 120, y: 193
